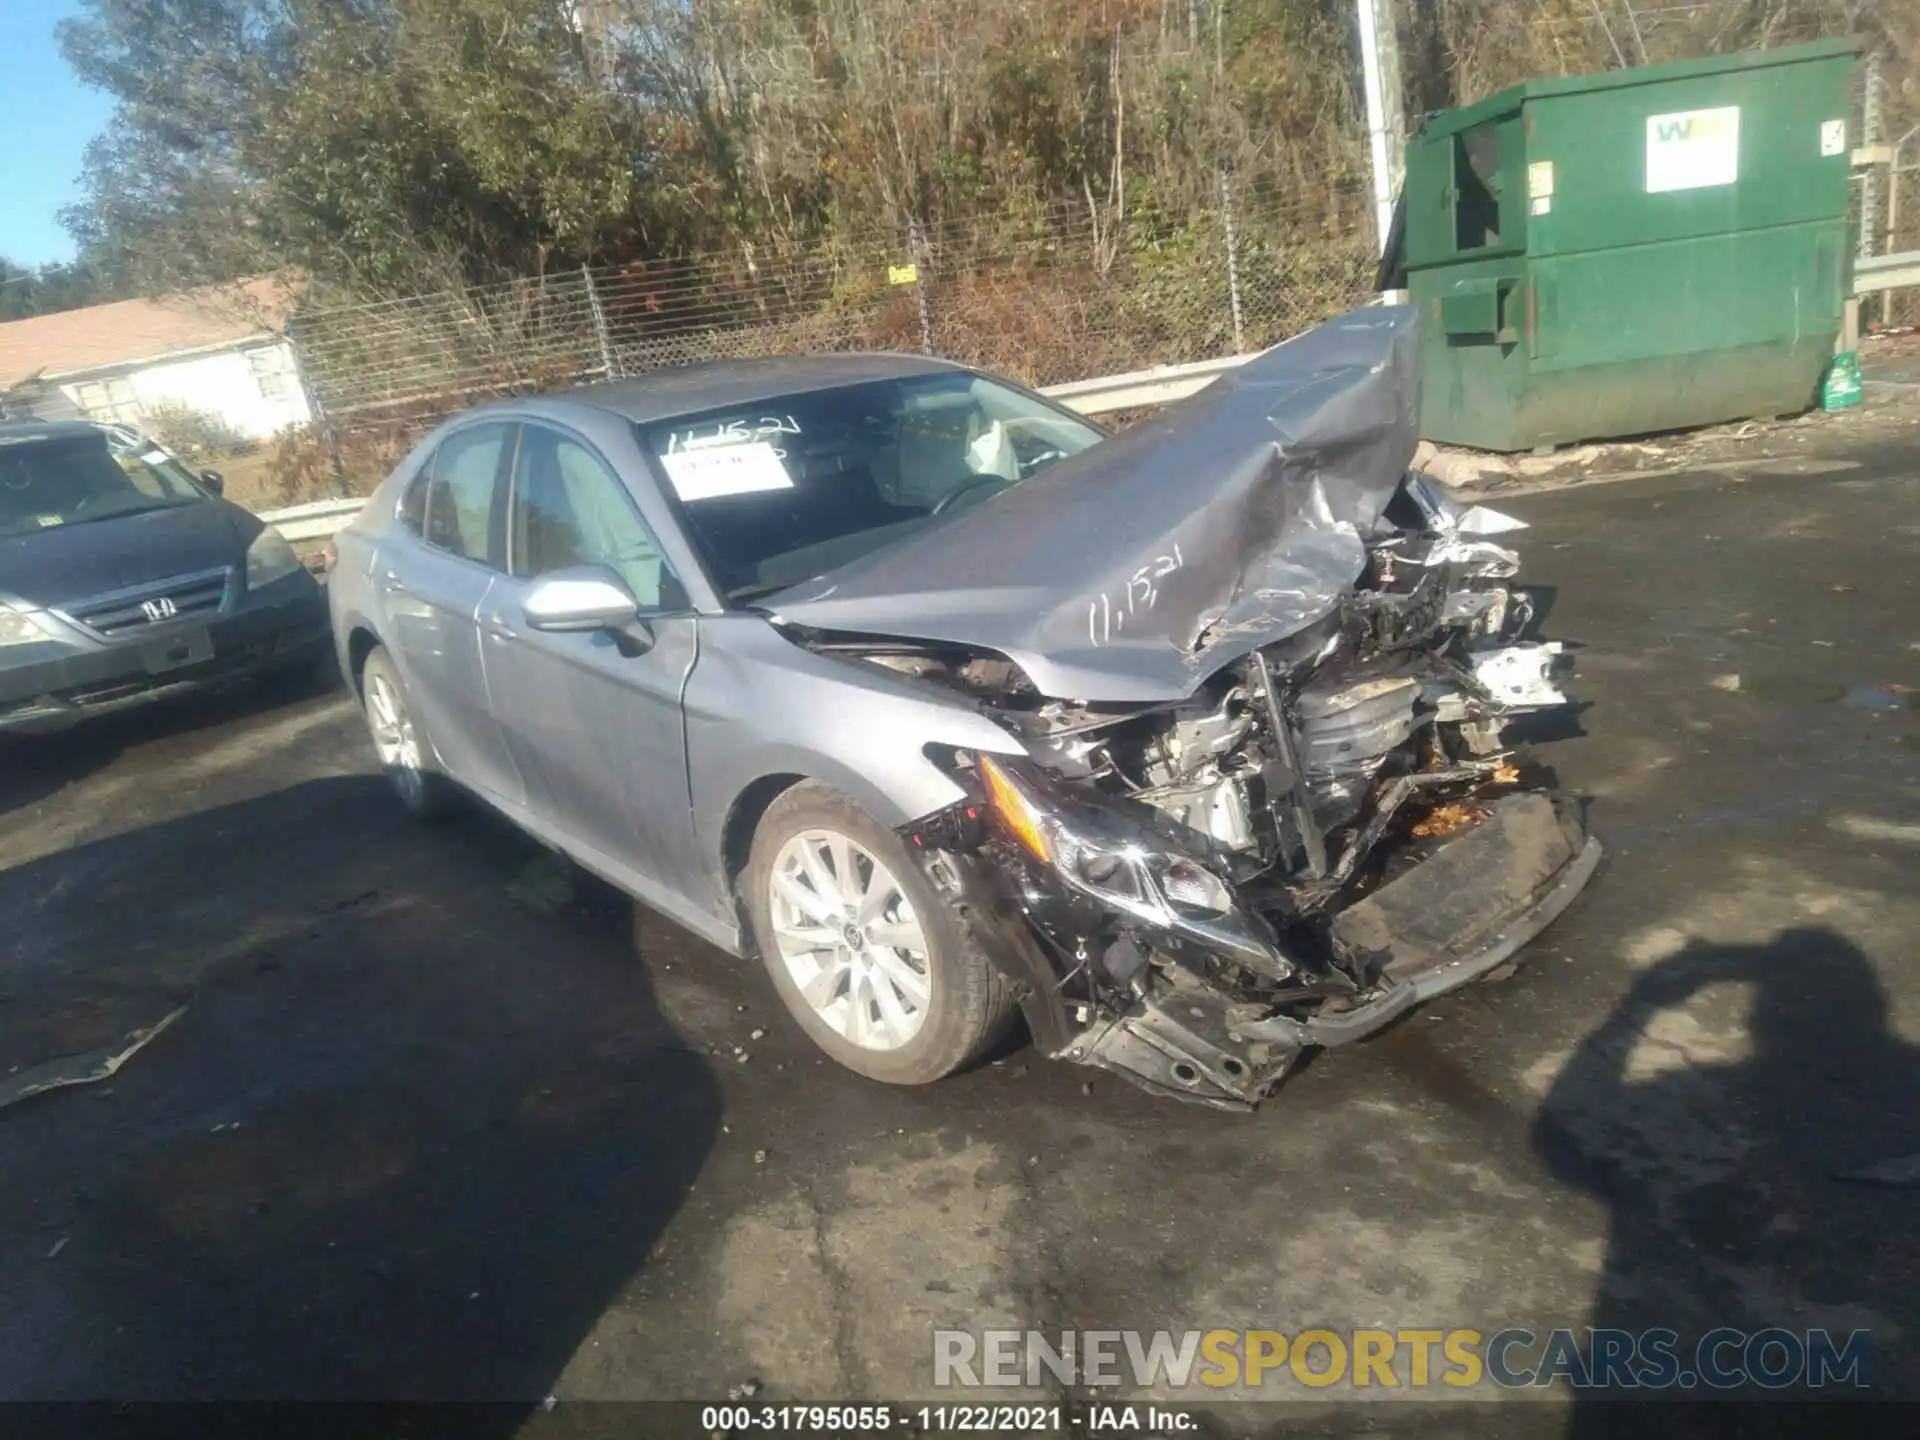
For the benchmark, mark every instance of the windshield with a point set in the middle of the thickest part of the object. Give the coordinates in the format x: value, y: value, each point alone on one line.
x: 47, y: 483
x: 783, y: 490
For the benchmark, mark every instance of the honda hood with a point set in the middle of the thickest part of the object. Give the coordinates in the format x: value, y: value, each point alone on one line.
x: 67, y: 563
x: 1135, y: 569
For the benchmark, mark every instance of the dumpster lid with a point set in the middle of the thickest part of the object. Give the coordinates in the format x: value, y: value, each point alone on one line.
x: 1447, y: 122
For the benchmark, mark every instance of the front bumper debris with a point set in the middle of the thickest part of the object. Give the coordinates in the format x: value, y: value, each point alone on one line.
x: 1449, y: 920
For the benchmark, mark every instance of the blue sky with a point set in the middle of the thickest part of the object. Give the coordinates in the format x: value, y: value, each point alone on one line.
x: 46, y: 119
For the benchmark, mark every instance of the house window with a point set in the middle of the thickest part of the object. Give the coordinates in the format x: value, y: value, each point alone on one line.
x: 110, y: 402
x: 270, y: 373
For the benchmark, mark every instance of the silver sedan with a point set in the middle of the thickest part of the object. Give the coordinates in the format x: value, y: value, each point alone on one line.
x: 951, y: 708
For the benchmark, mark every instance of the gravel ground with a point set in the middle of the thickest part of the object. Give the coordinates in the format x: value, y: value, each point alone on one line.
x: 428, y: 1127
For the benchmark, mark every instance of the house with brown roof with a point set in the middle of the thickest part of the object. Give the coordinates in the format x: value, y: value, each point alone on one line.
x: 219, y: 355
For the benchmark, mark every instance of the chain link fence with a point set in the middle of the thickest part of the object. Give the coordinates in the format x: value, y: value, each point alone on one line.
x: 1884, y: 195
x: 1062, y: 294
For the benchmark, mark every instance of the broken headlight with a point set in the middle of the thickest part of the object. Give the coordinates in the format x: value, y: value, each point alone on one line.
x: 1134, y: 874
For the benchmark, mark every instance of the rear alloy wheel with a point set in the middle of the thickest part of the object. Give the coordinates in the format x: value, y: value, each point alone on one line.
x: 397, y: 740
x: 865, y: 953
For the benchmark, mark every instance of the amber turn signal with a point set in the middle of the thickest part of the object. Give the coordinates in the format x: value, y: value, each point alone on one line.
x: 1015, y: 811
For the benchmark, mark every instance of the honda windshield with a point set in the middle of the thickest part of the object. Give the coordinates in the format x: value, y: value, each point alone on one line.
x: 783, y: 490
x: 48, y: 482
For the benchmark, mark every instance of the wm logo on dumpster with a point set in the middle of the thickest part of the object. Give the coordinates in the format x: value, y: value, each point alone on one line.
x: 1693, y: 149
x: 1705, y: 125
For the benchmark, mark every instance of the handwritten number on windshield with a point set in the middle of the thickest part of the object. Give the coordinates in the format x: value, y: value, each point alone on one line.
x: 734, y: 432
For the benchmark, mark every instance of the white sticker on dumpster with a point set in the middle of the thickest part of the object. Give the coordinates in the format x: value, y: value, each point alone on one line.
x: 726, y: 470
x: 1833, y: 137
x: 1693, y: 149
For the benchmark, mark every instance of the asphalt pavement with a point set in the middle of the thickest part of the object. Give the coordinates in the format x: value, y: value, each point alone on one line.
x: 428, y: 1127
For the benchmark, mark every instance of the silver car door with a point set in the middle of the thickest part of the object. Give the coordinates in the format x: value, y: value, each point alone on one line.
x: 432, y: 576
x: 593, y: 720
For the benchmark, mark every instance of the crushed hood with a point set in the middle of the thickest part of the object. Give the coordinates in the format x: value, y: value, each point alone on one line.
x: 1135, y: 569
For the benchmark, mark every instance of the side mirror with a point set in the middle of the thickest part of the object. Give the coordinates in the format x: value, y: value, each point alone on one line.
x: 214, y: 481
x: 584, y: 599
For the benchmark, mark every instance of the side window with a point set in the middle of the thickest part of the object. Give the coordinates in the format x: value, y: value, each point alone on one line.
x: 413, y: 500
x: 143, y: 478
x: 459, y: 514
x: 569, y: 509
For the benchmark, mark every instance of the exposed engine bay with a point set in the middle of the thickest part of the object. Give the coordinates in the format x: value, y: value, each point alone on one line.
x: 1324, y: 833
x: 1260, y: 791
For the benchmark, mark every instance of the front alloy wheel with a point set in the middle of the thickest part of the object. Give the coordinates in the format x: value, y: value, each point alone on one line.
x: 868, y: 955
x: 850, y: 939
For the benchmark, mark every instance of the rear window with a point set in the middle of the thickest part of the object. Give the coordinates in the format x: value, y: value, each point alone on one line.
x: 47, y: 483
x: 450, y: 503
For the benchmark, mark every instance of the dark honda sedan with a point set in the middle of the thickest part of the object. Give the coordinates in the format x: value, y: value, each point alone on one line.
x: 123, y: 578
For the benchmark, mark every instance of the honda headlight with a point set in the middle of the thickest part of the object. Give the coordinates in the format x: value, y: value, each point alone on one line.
x: 22, y: 627
x: 269, y: 558
x: 1137, y: 876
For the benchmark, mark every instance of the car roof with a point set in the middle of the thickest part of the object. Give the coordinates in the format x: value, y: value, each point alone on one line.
x: 20, y: 432
x: 716, y: 384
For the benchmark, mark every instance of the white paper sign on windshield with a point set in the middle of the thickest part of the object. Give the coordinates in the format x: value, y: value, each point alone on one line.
x: 726, y: 470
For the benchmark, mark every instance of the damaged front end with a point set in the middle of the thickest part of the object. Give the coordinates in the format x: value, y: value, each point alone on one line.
x: 1324, y: 833
x: 1259, y: 680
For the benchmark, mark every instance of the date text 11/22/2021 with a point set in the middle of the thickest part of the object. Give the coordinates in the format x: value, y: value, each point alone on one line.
x: 943, y: 1419
x: 948, y: 1419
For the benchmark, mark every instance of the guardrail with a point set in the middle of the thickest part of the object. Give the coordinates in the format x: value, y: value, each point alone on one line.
x: 317, y: 521
x: 1135, y: 390
x: 1876, y: 274
x: 1886, y: 272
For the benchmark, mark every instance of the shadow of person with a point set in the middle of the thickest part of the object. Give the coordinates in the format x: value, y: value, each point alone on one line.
x: 1722, y: 1152
x: 410, y: 1140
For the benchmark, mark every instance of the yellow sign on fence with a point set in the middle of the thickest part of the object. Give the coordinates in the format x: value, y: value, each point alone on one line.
x: 903, y: 274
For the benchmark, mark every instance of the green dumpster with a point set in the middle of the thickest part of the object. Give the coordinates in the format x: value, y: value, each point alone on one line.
x: 1630, y: 252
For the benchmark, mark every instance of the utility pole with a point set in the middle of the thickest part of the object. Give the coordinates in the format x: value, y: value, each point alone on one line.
x: 1386, y: 115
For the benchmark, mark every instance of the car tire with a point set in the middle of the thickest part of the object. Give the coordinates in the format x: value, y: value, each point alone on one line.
x: 956, y: 1006
x: 404, y: 750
